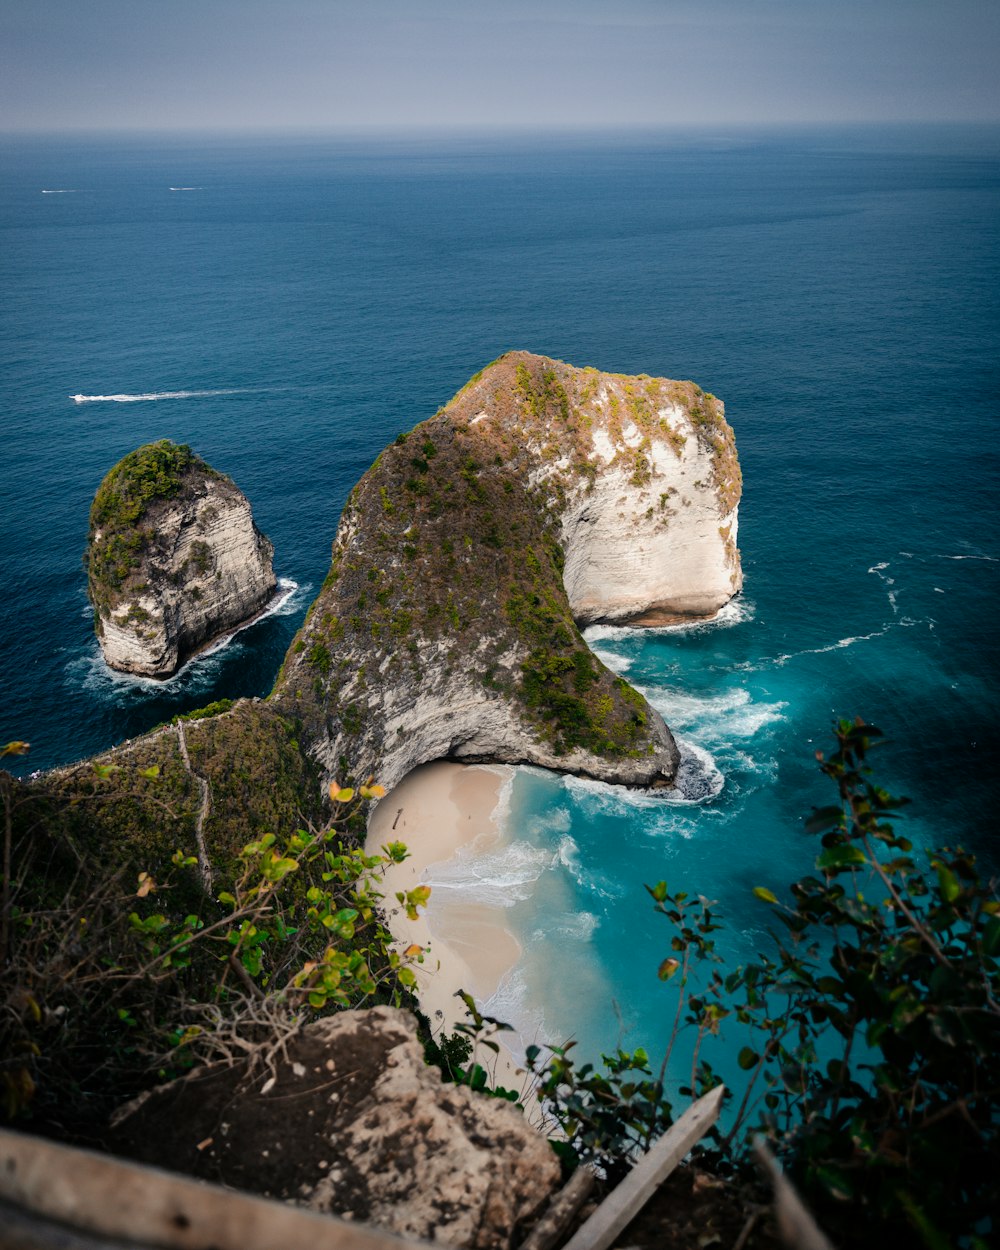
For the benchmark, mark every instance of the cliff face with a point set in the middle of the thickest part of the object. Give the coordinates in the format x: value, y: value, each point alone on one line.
x: 540, y: 499
x: 174, y: 560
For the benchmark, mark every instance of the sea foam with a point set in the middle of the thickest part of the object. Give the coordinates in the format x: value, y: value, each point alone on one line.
x: 90, y: 672
x: 735, y: 612
x: 499, y: 877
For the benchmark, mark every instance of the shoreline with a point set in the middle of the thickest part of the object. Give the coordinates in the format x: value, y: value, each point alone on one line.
x: 436, y: 810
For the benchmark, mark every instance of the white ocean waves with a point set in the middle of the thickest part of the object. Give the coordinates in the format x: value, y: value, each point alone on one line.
x: 287, y: 599
x: 735, y: 612
x: 577, y: 926
x: 510, y: 1003
x: 501, y: 812
x: 840, y: 644
x: 611, y: 633
x: 716, y: 718
x: 499, y: 877
x: 880, y: 572
x: 126, y: 690
x: 555, y: 820
x: 601, y: 799
x: 567, y: 858
x: 568, y: 854
x: 90, y: 672
x: 698, y: 780
x: 613, y: 660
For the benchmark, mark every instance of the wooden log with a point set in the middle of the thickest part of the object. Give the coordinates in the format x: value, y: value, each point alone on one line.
x: 560, y: 1211
x: 103, y: 1197
x: 796, y: 1226
x: 623, y: 1204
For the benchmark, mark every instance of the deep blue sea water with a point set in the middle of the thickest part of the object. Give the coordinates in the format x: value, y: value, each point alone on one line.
x: 303, y: 300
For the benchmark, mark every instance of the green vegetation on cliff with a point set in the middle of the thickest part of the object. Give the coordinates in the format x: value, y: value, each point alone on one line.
x: 156, y: 471
x: 156, y: 897
x: 258, y: 779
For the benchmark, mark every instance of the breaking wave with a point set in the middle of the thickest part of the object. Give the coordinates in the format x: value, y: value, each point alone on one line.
x: 717, y: 717
x: 840, y: 644
x: 735, y: 612
x: 499, y: 877
x: 90, y: 672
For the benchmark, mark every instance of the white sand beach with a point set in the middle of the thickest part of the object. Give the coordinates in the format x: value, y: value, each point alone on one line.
x: 435, y: 811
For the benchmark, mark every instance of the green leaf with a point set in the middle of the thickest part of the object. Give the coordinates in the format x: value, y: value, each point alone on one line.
x: 843, y: 856
x: 765, y: 894
x: 278, y: 869
x: 748, y: 1058
x: 668, y: 968
x: 950, y: 888
x: 824, y: 818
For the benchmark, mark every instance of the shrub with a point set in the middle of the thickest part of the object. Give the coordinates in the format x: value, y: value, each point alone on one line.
x: 122, y: 977
x: 874, y: 1060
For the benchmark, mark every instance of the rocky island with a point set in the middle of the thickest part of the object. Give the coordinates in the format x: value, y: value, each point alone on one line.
x: 541, y: 499
x: 174, y: 560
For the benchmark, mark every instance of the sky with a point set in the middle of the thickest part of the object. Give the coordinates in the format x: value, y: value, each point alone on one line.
x: 348, y: 65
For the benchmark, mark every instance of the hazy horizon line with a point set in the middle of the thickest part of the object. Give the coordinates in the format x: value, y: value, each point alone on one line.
x: 403, y: 129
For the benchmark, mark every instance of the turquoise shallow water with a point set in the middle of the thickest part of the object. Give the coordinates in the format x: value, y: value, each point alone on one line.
x: 305, y: 300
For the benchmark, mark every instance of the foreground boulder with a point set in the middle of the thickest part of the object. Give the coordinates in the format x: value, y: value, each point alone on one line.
x: 174, y: 560
x: 344, y: 1117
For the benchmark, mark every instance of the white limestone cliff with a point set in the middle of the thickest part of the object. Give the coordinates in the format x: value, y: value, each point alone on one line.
x: 653, y: 551
x: 200, y: 569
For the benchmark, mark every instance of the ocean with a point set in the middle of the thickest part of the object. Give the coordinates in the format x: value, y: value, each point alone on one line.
x: 288, y: 305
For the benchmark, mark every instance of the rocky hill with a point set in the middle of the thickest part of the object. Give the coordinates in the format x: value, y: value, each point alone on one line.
x: 542, y: 498
x: 174, y: 559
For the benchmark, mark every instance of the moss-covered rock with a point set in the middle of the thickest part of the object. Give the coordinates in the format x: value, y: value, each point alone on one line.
x: 173, y: 559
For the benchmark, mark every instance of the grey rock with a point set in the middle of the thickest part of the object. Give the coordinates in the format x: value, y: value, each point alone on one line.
x: 199, y: 569
x: 345, y: 1117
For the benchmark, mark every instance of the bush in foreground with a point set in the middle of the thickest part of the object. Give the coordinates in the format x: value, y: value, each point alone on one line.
x: 874, y: 1061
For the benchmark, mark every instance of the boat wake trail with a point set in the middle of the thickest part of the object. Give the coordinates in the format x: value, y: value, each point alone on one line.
x: 146, y: 396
